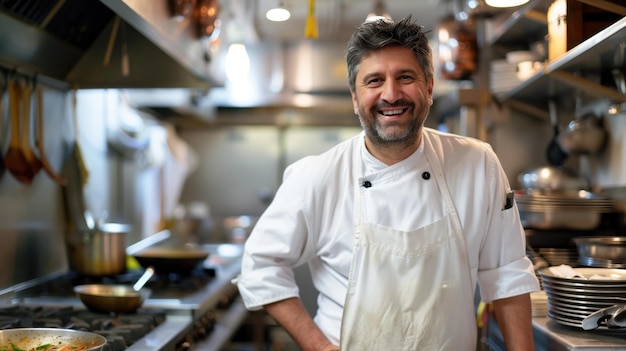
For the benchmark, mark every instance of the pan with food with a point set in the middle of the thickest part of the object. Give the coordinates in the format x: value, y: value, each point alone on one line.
x: 50, y: 339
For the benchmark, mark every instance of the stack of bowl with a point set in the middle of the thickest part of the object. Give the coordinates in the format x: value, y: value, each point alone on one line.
x: 601, y: 251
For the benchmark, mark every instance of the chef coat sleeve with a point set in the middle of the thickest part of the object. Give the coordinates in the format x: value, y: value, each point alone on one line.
x: 277, y: 243
x: 504, y: 269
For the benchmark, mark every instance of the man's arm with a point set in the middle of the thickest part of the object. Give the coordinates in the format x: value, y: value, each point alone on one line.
x: 514, y: 318
x: 295, y: 319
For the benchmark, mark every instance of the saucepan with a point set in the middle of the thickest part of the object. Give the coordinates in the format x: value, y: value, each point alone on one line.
x: 100, y: 250
x: 50, y: 339
x: 115, y: 298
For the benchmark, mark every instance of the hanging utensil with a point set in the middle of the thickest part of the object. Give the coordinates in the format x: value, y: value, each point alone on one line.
x: 84, y: 173
x: 14, y: 159
x: 3, y: 90
x: 310, y: 30
x: 555, y: 154
x: 40, y: 144
x: 34, y: 164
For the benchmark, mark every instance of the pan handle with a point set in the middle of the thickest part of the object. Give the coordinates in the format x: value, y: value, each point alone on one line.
x: 148, y: 242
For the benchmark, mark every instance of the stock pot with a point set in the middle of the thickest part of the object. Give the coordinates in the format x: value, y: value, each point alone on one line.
x: 100, y: 251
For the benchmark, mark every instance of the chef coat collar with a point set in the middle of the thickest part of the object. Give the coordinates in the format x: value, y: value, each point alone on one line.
x: 371, y: 164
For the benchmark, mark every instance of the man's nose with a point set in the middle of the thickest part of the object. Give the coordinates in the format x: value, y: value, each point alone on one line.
x: 390, y: 91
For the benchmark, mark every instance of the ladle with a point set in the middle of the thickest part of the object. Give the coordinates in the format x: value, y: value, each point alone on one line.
x: 555, y: 154
x: 3, y: 90
x: 40, y: 144
x: 14, y: 159
x: 34, y: 164
x: 147, y: 274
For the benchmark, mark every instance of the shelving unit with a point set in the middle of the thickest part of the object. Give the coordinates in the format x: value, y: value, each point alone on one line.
x: 579, y: 69
x: 529, y: 21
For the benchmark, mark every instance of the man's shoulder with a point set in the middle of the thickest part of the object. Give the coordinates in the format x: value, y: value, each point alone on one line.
x: 455, y: 143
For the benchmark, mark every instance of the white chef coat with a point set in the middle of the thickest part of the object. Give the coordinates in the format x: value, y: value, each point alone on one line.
x: 311, y: 220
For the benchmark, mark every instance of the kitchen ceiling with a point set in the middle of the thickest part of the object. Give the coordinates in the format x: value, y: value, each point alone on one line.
x: 336, y: 19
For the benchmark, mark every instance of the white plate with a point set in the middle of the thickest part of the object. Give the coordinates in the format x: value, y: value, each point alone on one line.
x: 592, y: 275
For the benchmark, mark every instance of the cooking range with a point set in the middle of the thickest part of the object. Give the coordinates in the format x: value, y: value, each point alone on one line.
x: 184, y: 311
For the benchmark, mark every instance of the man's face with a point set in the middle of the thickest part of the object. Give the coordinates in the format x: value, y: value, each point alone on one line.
x: 392, y: 96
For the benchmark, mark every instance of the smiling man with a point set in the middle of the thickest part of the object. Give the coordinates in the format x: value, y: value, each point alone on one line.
x: 398, y: 224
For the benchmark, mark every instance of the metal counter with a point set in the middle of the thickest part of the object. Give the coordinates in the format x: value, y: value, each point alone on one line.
x: 550, y: 335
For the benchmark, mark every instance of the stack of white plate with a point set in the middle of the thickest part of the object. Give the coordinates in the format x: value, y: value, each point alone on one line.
x: 571, y: 299
x: 503, y: 76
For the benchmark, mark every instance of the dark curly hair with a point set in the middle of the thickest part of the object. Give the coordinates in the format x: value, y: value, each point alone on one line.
x: 379, y: 32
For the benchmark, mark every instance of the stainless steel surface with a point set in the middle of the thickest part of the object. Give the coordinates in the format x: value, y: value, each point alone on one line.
x: 34, y: 338
x: 552, y: 336
x: 612, y: 248
x: 583, y: 57
x: 155, y: 41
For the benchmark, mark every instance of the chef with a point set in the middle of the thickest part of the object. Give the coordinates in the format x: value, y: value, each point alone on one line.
x: 398, y: 224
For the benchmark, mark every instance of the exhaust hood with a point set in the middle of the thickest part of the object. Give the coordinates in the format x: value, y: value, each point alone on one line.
x: 104, y: 43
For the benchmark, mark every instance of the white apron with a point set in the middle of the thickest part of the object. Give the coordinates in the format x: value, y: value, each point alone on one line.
x: 409, y: 290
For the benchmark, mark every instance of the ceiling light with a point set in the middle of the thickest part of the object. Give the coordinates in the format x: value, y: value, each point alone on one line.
x: 278, y: 14
x: 505, y: 3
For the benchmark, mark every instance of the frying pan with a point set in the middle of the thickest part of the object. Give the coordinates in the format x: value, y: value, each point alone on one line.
x: 115, y: 298
x: 32, y: 338
x: 182, y: 259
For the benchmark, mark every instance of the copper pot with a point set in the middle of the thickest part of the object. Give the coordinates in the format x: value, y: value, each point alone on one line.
x: 206, y: 12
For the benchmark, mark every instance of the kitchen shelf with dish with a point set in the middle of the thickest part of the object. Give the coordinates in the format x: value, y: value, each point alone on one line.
x: 579, y: 69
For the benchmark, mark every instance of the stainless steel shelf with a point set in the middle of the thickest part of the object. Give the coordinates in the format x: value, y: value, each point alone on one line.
x: 528, y: 23
x: 561, y: 76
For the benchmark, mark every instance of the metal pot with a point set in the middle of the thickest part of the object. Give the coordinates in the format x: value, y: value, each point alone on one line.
x: 611, y: 248
x: 552, y: 179
x: 32, y: 338
x: 115, y: 298
x: 583, y: 135
x: 99, y: 252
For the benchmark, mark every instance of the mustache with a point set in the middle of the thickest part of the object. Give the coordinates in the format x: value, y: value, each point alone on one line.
x: 399, y: 103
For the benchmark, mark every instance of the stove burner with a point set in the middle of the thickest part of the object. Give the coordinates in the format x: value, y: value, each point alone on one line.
x: 121, y: 331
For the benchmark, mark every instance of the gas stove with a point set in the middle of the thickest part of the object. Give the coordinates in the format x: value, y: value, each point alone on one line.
x: 181, y: 313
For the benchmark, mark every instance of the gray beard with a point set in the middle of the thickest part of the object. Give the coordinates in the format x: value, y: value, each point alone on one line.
x: 378, y: 137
